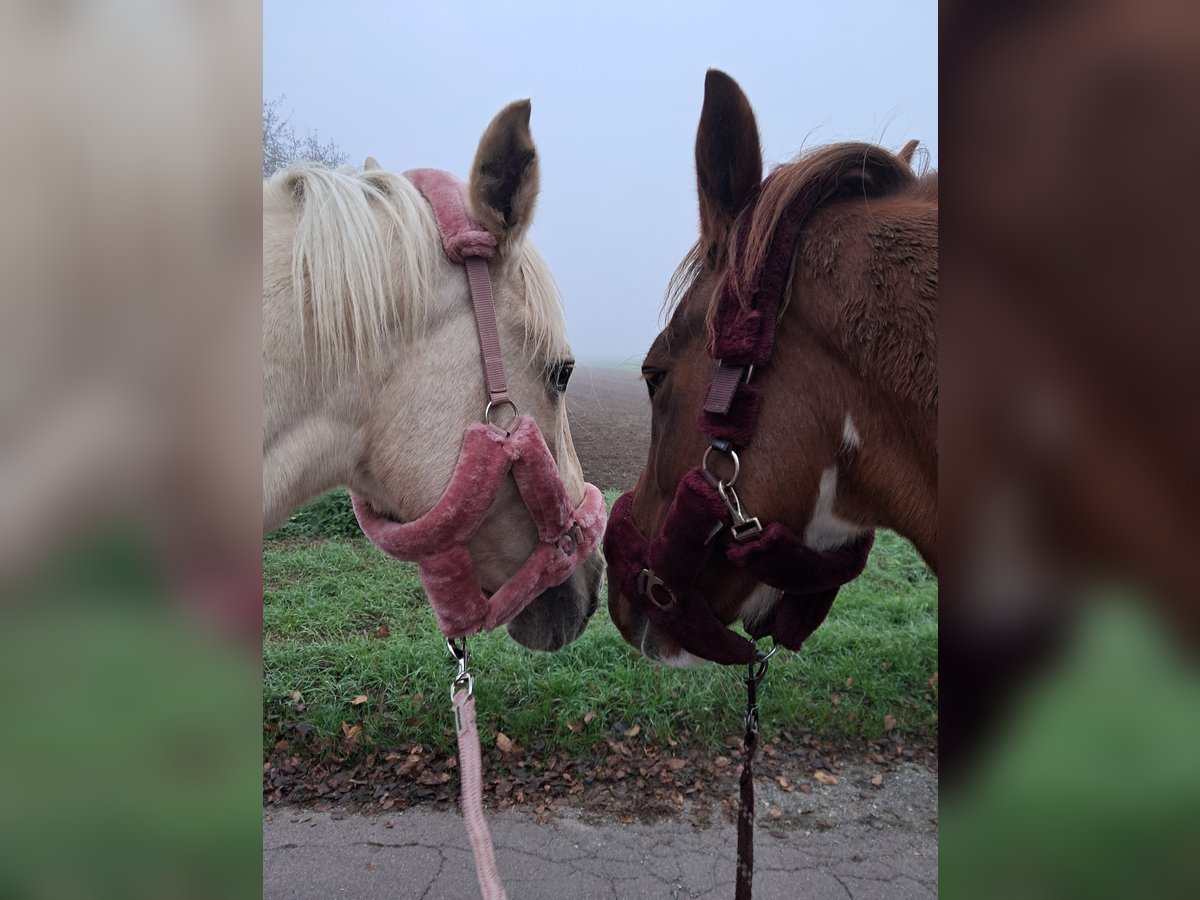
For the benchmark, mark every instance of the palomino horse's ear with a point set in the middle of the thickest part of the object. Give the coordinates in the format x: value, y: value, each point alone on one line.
x: 370, y: 165
x: 504, y: 176
x: 728, y: 158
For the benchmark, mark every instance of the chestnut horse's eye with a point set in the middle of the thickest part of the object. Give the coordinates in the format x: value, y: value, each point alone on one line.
x: 654, y: 379
x: 560, y: 374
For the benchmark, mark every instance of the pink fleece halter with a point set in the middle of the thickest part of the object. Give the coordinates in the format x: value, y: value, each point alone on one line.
x: 437, y: 541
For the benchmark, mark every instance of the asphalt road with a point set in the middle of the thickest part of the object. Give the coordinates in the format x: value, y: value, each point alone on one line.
x: 846, y: 847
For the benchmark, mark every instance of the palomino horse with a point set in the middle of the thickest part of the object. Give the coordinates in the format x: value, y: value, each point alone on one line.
x: 846, y: 433
x: 371, y: 364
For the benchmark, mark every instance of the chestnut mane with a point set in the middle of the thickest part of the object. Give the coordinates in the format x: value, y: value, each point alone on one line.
x: 879, y: 335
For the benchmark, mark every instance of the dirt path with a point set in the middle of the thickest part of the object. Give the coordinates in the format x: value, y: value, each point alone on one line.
x: 610, y: 424
x: 836, y: 842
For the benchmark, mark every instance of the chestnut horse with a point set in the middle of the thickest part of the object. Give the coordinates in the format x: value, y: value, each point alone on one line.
x: 846, y: 436
x: 371, y: 364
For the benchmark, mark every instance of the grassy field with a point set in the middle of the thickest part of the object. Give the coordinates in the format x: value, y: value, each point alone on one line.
x: 344, y: 622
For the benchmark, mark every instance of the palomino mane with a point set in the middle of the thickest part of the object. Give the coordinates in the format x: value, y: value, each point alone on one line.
x: 364, y: 253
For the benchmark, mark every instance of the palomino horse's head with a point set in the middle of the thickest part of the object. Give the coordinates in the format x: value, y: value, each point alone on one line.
x: 372, y: 365
x: 846, y: 427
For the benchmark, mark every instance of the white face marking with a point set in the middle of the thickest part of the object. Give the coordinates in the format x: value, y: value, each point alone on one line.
x: 850, y: 437
x: 759, y: 605
x: 683, y: 660
x: 825, y: 530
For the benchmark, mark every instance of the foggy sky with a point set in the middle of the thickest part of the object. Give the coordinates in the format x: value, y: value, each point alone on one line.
x: 616, y: 90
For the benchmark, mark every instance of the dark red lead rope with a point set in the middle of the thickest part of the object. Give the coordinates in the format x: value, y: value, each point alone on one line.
x: 745, y: 820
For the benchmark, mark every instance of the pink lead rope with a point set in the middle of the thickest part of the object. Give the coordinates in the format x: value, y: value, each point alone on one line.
x: 437, y: 541
x: 470, y: 772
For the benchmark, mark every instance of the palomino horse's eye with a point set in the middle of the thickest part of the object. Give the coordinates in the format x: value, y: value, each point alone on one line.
x: 560, y: 374
x: 654, y: 379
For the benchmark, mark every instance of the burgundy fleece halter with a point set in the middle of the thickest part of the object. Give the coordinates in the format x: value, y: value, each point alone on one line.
x: 660, y: 577
x: 437, y: 541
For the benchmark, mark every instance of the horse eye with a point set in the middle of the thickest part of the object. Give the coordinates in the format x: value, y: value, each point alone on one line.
x: 561, y: 374
x: 654, y: 379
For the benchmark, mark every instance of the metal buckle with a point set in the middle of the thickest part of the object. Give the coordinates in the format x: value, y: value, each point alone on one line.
x: 755, y: 672
x: 744, y: 527
x: 743, y: 531
x: 463, y: 678
x: 647, y: 581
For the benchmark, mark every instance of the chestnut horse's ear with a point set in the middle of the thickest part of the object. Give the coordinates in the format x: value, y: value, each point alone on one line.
x: 728, y: 158
x: 907, y: 151
x: 370, y: 165
x: 504, y: 176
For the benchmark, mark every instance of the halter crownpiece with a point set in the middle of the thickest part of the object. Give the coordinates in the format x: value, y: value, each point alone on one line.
x: 437, y: 541
x: 660, y: 577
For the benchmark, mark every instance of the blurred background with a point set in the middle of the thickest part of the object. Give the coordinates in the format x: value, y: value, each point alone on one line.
x: 1069, y: 501
x: 130, y: 546
x: 130, y: 449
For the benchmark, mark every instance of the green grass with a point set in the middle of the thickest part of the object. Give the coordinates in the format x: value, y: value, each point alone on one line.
x: 326, y: 597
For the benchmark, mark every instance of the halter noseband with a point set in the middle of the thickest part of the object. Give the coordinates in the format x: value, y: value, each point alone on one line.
x: 437, y: 541
x: 660, y: 577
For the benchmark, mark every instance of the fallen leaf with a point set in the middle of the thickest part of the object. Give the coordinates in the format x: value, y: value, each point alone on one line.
x: 575, y: 726
x: 824, y: 777
x: 889, y: 722
x: 775, y: 813
x: 806, y: 788
x: 877, y: 780
x: 359, y: 700
x: 504, y: 742
x: 721, y: 762
x: 587, y: 718
x: 933, y: 681
x: 676, y: 764
x: 382, y: 631
x: 296, y: 696
x: 634, y: 731
x: 409, y: 764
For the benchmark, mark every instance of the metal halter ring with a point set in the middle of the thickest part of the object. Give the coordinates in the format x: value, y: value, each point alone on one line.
x: 761, y: 658
x: 487, y: 411
x: 737, y: 466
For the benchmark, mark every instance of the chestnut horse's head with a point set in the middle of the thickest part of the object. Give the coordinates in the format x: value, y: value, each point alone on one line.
x: 845, y: 439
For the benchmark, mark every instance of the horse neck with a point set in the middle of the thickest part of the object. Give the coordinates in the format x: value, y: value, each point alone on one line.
x: 892, y: 480
x: 310, y: 442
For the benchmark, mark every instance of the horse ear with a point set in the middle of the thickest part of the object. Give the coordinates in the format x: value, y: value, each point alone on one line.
x: 504, y: 176
x: 728, y: 158
x: 370, y: 165
x: 907, y: 151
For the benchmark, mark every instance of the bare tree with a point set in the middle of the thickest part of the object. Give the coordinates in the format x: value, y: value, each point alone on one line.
x: 282, y: 146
